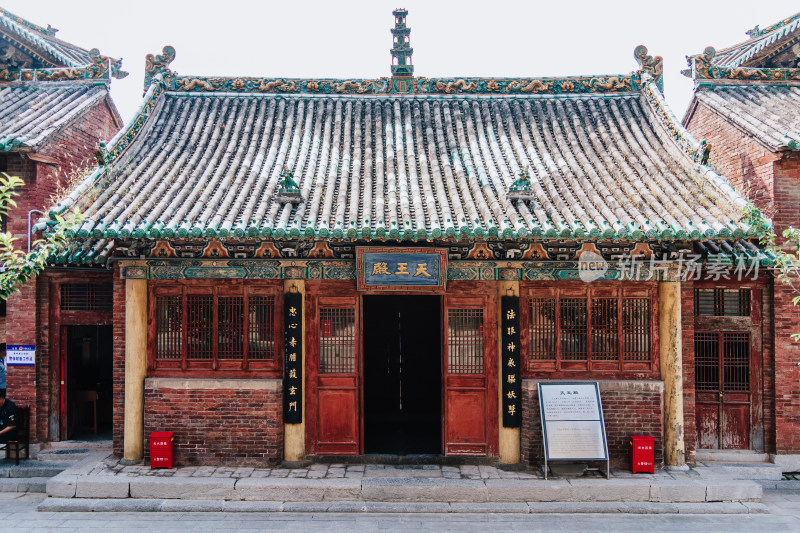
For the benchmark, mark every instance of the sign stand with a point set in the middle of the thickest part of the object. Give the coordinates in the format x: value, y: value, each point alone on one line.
x: 573, y: 428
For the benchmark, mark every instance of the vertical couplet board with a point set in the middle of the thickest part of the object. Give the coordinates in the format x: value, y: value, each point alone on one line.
x: 293, y: 358
x: 573, y: 428
x: 511, y: 378
x: 470, y: 370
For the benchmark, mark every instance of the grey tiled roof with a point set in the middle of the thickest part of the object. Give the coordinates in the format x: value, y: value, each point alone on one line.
x: 31, y: 113
x: 760, y: 40
x: 413, y: 167
x: 770, y: 113
x: 43, y: 39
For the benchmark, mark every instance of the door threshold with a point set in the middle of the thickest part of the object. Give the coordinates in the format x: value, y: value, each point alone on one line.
x: 408, y: 460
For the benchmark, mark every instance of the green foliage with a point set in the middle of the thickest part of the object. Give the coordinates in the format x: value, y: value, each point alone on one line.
x: 786, y: 265
x: 19, y: 266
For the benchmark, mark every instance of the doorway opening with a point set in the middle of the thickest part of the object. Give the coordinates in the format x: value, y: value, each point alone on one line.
x: 402, y: 375
x: 89, y: 385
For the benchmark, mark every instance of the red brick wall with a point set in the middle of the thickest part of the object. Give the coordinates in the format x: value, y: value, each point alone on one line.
x: 232, y: 425
x: 629, y: 408
x: 745, y: 162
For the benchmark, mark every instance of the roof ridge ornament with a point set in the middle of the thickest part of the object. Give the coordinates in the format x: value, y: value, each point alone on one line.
x: 158, y: 64
x: 652, y: 65
x: 521, y: 188
x: 288, y: 191
x: 701, y: 67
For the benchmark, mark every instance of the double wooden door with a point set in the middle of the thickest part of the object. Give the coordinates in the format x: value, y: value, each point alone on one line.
x: 723, y: 389
x: 334, y: 417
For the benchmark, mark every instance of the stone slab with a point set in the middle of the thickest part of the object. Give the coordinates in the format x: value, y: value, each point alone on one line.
x: 754, y: 472
x: 669, y: 491
x: 62, y: 486
x: 192, y: 506
x: 296, y: 489
x: 610, y: 490
x: 191, y: 488
x: 60, y: 505
x: 252, y: 507
x: 423, y: 490
x: 406, y: 507
x: 102, y: 487
x: 129, y: 505
x: 523, y: 490
x: 715, y: 507
x: 787, y: 462
x: 733, y: 491
x: 32, y: 484
x: 490, y: 507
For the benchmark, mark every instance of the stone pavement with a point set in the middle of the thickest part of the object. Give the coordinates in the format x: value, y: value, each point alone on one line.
x: 106, y: 485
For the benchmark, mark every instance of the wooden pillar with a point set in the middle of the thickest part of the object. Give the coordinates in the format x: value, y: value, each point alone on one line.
x: 509, y: 438
x: 294, y: 435
x: 670, y: 352
x: 135, y: 368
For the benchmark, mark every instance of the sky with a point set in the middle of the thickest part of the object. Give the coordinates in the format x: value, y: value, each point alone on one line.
x: 351, y: 39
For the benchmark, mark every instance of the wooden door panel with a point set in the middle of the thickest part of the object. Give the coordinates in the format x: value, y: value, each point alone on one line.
x: 708, y: 426
x: 470, y: 369
x: 735, y: 426
x: 337, y: 421
x: 466, y: 435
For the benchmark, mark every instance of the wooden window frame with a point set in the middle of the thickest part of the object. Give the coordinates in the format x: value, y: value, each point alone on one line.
x: 584, y: 368
x: 215, y: 366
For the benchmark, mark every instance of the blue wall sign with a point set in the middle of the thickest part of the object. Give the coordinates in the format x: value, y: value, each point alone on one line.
x: 401, y: 269
x: 21, y: 354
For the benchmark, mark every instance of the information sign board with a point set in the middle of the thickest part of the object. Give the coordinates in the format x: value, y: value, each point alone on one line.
x: 21, y: 354
x: 573, y: 428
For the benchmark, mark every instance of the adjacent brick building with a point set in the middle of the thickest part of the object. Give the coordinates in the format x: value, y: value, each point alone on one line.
x: 746, y: 105
x: 55, y: 109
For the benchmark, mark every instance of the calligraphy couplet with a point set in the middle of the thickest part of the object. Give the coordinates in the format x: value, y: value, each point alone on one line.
x: 510, y: 357
x: 292, y: 358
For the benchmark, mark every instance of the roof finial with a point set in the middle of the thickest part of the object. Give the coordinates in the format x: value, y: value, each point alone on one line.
x: 401, y: 49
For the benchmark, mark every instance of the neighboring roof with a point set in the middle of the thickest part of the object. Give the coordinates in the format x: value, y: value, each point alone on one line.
x: 769, y: 113
x: 30, y: 114
x: 755, y: 85
x: 764, y: 46
x: 37, y: 47
x: 206, y: 157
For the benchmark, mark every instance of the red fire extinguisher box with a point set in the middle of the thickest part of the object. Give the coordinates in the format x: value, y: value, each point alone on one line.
x: 162, y: 449
x: 643, y: 454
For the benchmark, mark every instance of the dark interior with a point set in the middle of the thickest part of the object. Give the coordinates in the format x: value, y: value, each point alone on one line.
x: 89, y: 381
x: 402, y: 375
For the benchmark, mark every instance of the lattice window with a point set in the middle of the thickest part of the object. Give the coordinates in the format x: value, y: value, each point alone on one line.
x: 465, y: 341
x: 86, y: 296
x: 636, y: 329
x: 337, y: 340
x: 603, y: 329
x: 261, y: 335
x: 573, y: 329
x: 209, y: 327
x: 722, y: 361
x: 706, y: 361
x: 199, y: 326
x: 169, y: 323
x: 542, y: 329
x: 736, y: 362
x: 722, y: 302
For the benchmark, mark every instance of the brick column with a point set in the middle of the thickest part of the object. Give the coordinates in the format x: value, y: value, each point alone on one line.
x: 135, y: 367
x: 669, y: 336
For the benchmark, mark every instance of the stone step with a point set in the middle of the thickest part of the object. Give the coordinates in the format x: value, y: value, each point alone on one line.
x: 753, y: 471
x: 403, y: 490
x: 166, y: 505
x: 28, y: 469
x: 23, y: 484
x: 731, y: 456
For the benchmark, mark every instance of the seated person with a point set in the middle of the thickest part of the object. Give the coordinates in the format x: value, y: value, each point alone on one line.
x: 8, y: 418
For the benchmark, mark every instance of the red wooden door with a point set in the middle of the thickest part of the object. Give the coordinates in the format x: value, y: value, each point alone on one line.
x: 722, y: 381
x: 333, y: 375
x: 470, y: 373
